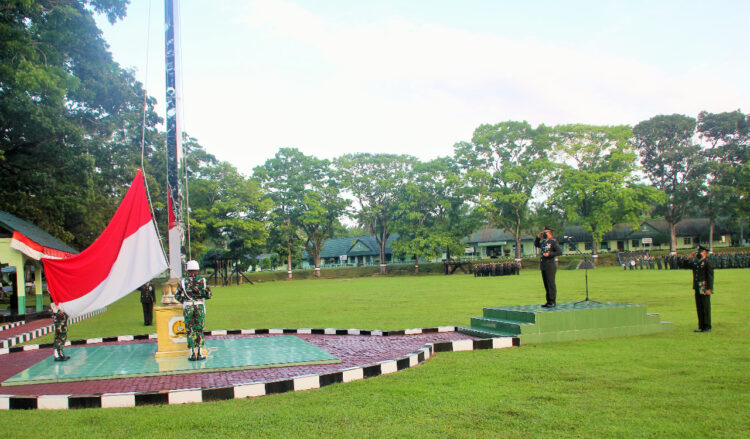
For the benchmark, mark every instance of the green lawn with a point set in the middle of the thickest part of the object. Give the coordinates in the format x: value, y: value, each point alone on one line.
x: 674, y: 384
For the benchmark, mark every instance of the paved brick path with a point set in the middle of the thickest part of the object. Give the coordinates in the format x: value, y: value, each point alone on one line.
x: 27, y: 327
x: 353, y: 350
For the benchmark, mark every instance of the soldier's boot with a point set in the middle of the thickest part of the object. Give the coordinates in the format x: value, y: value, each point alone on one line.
x: 192, y: 356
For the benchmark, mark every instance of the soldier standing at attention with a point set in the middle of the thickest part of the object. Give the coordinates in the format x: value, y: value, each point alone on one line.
x: 60, y: 320
x: 550, y: 250
x: 192, y: 294
x: 703, y: 284
x: 148, y: 297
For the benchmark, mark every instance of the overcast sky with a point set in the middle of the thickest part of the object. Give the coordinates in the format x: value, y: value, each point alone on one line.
x: 415, y: 77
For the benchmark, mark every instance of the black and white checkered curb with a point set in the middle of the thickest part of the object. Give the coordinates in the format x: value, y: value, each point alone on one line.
x: 253, y: 389
x: 44, y: 330
x: 12, y: 325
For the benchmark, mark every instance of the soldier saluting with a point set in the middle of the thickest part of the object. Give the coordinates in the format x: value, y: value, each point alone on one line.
x: 550, y: 249
x: 192, y: 294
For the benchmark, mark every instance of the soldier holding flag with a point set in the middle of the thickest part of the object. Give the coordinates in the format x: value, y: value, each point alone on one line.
x: 192, y: 294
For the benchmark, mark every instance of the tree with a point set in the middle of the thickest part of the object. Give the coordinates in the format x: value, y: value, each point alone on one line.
x: 670, y: 158
x: 68, y: 117
x: 433, y: 211
x: 284, y: 185
x: 507, y: 163
x: 595, y: 184
x: 727, y: 139
x: 321, y: 207
x: 226, y: 210
x: 374, y: 180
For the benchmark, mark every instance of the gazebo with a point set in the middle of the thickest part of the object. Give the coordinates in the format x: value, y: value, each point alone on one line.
x: 22, y: 245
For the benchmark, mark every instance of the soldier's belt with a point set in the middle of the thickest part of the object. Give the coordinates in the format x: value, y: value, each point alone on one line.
x: 195, y: 302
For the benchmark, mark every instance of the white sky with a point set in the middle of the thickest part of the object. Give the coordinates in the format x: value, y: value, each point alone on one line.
x: 417, y: 76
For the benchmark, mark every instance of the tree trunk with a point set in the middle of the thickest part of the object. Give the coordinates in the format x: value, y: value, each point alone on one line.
x: 518, y: 241
x: 594, y: 251
x: 447, y: 254
x: 383, y: 268
x: 711, y: 237
x: 317, y: 265
x: 416, y: 265
x: 289, y: 260
x: 672, y: 238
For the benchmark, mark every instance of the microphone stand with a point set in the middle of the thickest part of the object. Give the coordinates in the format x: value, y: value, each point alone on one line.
x: 587, y: 261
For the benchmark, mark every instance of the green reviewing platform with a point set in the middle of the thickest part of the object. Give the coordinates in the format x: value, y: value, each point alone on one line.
x: 567, y: 321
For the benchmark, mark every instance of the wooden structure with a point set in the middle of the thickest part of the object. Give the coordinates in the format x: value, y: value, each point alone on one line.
x: 225, y: 269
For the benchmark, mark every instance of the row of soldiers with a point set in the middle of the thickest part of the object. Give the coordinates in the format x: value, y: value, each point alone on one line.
x: 496, y: 269
x: 641, y: 262
x: 718, y: 260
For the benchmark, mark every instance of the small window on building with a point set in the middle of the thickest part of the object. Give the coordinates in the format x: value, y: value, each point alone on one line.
x: 588, y: 246
x: 635, y: 243
x: 688, y: 240
x: 604, y: 245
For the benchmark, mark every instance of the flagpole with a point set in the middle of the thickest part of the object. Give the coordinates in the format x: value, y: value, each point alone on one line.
x: 174, y: 137
x: 170, y: 324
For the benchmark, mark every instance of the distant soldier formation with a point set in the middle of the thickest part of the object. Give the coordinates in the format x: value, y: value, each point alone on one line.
x: 631, y: 261
x: 641, y: 262
x: 718, y: 260
x: 496, y: 269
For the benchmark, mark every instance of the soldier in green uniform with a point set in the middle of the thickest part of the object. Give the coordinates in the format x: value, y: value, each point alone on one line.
x: 549, y: 249
x: 703, y: 284
x: 60, y: 320
x: 148, y: 297
x: 192, y: 294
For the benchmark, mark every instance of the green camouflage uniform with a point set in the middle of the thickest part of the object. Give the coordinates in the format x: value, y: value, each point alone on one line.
x: 192, y: 294
x: 60, y: 320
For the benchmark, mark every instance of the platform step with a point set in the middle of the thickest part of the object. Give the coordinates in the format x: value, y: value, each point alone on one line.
x: 483, y: 333
x: 496, y: 325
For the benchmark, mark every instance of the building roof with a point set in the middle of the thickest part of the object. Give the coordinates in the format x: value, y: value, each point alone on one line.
x: 494, y: 235
x: 648, y: 229
x: 618, y: 232
x: 11, y: 223
x: 689, y: 226
x: 355, y: 246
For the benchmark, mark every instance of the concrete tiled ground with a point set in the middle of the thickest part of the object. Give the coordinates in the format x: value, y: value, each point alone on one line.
x: 353, y: 350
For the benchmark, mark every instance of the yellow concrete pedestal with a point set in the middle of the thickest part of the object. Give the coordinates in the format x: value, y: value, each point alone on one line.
x: 170, y: 325
x: 170, y: 331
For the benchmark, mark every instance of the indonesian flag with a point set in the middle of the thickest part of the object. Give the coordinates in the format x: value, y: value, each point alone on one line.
x: 125, y: 256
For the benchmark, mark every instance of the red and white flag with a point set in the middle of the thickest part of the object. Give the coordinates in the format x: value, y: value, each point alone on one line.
x: 125, y: 256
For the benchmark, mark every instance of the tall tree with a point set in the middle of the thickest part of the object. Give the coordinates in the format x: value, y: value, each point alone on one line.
x: 595, y: 184
x: 434, y: 213
x: 321, y: 206
x: 226, y: 210
x: 68, y: 116
x: 507, y: 163
x: 670, y: 157
x: 727, y: 148
x: 374, y: 180
x: 284, y: 183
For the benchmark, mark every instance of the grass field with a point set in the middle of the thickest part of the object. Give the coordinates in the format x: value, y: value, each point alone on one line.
x: 675, y: 384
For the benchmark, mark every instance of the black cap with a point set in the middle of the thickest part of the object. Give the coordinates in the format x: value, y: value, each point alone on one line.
x: 701, y: 249
x: 549, y: 228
